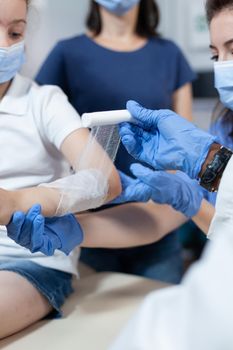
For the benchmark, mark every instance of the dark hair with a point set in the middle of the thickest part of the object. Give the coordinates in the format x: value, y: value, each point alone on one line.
x: 213, y: 7
x: 225, y: 115
x: 148, y: 19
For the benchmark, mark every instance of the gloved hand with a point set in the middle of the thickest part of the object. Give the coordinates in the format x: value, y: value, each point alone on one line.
x: 37, y: 233
x: 165, y: 140
x: 177, y: 190
x: 133, y: 190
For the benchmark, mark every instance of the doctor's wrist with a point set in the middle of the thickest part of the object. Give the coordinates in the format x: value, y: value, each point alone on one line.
x: 214, y: 148
x: 214, y: 166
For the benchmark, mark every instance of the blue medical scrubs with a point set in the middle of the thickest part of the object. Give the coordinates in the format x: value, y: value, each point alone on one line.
x: 99, y: 79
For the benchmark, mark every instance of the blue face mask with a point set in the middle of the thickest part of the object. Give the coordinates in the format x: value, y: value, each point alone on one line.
x: 223, y: 72
x: 118, y: 7
x: 11, y: 60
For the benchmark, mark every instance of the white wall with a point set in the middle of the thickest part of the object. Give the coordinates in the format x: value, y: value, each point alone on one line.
x: 57, y: 19
x: 179, y: 25
x: 49, y: 21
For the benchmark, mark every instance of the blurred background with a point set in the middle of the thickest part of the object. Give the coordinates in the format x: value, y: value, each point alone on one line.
x: 181, y: 20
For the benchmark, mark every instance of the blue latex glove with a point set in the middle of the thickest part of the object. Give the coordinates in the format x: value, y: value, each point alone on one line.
x: 133, y: 190
x: 165, y: 140
x: 177, y: 190
x: 37, y: 233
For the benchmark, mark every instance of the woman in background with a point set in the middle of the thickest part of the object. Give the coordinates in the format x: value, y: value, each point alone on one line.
x: 122, y: 57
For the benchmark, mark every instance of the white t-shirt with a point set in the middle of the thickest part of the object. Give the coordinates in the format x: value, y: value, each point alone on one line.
x: 34, y: 121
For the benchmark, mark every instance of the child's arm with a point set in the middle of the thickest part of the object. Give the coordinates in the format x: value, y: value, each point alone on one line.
x: 49, y: 198
x: 97, y: 159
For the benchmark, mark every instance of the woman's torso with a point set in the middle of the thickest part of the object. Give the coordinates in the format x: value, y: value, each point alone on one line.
x: 98, y: 79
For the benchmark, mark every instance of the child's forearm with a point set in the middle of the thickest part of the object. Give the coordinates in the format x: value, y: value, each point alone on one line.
x: 114, y: 186
x: 22, y: 200
x: 48, y: 198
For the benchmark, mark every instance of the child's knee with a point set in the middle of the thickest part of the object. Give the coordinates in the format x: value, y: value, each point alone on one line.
x: 20, y: 304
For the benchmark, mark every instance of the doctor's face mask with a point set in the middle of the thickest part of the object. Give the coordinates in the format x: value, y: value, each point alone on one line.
x: 13, y: 17
x: 221, y: 34
x: 118, y: 7
x: 223, y: 72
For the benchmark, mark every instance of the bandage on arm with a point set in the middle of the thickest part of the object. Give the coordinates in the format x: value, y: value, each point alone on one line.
x: 88, y: 187
x: 95, y: 179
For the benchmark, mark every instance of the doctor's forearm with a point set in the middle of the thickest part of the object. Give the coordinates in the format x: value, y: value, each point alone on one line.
x: 129, y: 225
x: 204, y: 216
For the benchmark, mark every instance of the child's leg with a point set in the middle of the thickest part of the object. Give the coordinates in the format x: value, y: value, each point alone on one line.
x: 29, y: 292
x: 21, y: 304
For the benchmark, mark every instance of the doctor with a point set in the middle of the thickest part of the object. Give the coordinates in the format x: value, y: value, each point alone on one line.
x: 197, y: 314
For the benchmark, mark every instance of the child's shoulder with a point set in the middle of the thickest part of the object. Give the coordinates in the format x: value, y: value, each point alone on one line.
x: 45, y: 93
x: 26, y: 86
x: 39, y: 98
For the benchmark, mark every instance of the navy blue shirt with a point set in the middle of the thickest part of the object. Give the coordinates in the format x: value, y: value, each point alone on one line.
x: 98, y: 79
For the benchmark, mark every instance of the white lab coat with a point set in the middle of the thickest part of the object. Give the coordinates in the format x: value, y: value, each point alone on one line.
x: 198, y: 314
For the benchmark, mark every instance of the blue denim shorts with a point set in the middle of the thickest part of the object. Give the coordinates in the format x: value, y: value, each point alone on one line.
x: 160, y: 261
x: 54, y: 285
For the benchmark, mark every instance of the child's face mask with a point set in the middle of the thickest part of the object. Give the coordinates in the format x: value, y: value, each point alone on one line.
x: 11, y: 60
x: 118, y: 7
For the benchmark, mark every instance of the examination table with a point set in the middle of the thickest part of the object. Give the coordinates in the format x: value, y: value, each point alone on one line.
x: 100, y: 306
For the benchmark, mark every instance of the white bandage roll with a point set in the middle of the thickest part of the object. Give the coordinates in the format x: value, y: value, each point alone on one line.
x: 90, y: 120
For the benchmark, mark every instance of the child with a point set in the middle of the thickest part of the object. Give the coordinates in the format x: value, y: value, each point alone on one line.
x: 40, y: 139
